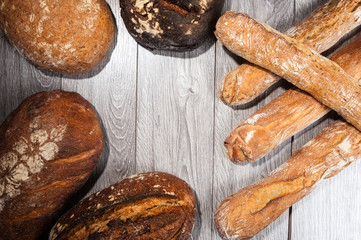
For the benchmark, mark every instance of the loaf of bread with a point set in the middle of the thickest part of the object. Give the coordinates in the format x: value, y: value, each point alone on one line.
x: 245, y: 213
x: 178, y: 25
x: 320, y: 30
x: 49, y: 146
x: 68, y: 37
x: 286, y: 115
x: 294, y: 61
x: 151, y: 205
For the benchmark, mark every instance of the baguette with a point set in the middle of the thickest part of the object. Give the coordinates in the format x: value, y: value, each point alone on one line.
x: 245, y: 213
x: 297, y: 63
x: 286, y: 115
x: 320, y: 30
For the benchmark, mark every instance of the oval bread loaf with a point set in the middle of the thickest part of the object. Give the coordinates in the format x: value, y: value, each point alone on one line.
x: 152, y: 205
x: 179, y: 25
x: 68, y: 37
x: 49, y: 146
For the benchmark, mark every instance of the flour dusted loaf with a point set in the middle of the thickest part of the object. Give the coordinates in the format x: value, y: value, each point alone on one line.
x: 49, y: 146
x: 179, y: 25
x: 151, y: 205
x: 68, y: 37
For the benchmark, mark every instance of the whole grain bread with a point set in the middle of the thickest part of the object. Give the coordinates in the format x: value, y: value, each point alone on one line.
x: 69, y: 37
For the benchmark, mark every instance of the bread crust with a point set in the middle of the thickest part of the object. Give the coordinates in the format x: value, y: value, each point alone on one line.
x: 294, y: 61
x: 153, y: 205
x: 177, y: 25
x: 286, y: 115
x: 49, y: 146
x: 320, y: 30
x: 69, y: 37
x: 247, y: 212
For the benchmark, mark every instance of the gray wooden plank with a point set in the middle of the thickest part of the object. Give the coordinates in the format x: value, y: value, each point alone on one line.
x: 10, y: 79
x: 175, y: 121
x: 332, y: 210
x: 111, y: 88
x: 230, y: 177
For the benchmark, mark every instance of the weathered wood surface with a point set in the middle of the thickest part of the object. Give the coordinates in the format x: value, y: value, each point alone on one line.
x: 160, y: 111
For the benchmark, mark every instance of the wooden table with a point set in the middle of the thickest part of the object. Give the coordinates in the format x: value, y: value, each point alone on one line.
x: 161, y: 112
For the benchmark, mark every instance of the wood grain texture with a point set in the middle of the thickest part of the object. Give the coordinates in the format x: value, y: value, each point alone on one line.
x: 175, y: 121
x: 111, y: 88
x: 160, y: 111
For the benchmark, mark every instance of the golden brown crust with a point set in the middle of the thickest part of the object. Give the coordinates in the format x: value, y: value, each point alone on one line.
x: 152, y: 205
x: 62, y: 36
x: 297, y: 63
x: 245, y: 213
x: 49, y: 146
x: 320, y: 30
x: 286, y: 115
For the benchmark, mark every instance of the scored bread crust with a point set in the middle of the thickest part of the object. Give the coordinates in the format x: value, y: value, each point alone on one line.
x: 153, y: 205
x: 49, y: 146
x: 247, y: 212
x: 286, y: 115
x: 320, y: 31
x: 297, y: 63
x: 69, y: 37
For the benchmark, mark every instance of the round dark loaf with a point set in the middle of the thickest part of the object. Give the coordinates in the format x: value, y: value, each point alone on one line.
x: 179, y: 25
x: 68, y: 37
x: 152, y: 205
x: 49, y: 146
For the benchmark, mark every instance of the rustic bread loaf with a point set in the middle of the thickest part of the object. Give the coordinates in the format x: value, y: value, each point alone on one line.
x: 286, y: 115
x: 320, y: 77
x: 320, y: 30
x: 179, y: 25
x: 68, y: 37
x: 245, y: 213
x: 152, y: 205
x: 49, y: 146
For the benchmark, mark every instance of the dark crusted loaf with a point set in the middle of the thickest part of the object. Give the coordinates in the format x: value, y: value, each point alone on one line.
x: 179, y: 25
x: 152, y: 205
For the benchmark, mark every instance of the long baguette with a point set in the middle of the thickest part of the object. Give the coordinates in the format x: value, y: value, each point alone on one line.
x: 245, y: 213
x: 297, y: 63
x: 320, y: 30
x: 286, y: 115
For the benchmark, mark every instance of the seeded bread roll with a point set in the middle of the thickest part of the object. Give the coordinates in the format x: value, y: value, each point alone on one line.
x: 179, y: 25
x: 152, y: 205
x: 49, y: 146
x: 320, y: 77
x: 68, y: 37
x: 320, y: 31
x: 245, y: 213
